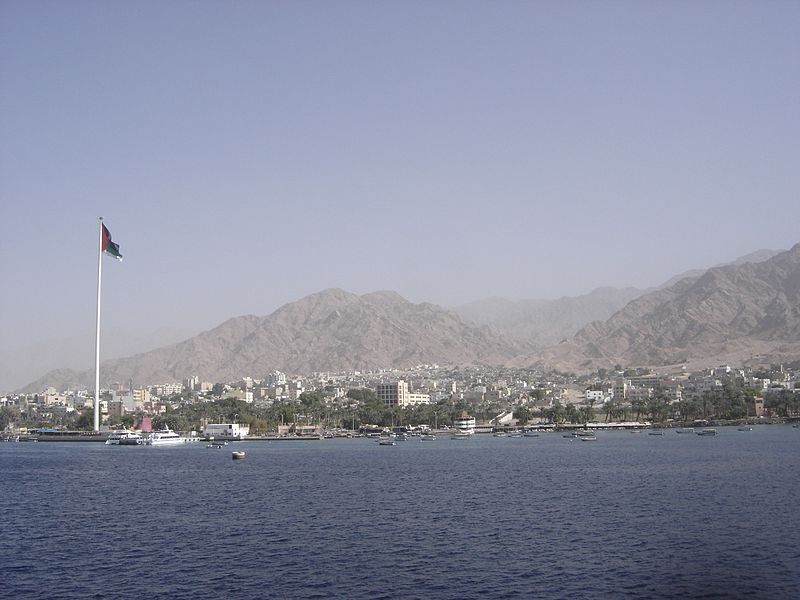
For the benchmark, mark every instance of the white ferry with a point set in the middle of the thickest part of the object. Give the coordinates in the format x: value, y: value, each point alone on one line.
x: 165, y: 437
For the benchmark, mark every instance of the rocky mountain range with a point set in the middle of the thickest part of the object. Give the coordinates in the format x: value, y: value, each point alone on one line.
x: 547, y: 322
x: 332, y: 330
x: 732, y: 312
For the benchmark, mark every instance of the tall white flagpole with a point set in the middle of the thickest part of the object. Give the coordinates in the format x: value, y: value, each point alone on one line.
x: 97, y: 330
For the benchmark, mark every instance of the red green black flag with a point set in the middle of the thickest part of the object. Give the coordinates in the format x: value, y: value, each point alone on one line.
x: 110, y: 247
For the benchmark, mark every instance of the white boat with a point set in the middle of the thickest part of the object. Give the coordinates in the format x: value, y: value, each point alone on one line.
x: 131, y: 438
x: 427, y: 438
x: 237, y: 455
x: 500, y: 434
x: 115, y: 436
x: 387, y: 442
x: 165, y: 437
x: 530, y: 434
x: 707, y: 431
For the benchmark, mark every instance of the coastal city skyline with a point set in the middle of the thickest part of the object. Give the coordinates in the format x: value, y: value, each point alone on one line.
x: 244, y: 157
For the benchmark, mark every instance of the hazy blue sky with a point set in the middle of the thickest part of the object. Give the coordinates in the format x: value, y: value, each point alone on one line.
x: 245, y: 154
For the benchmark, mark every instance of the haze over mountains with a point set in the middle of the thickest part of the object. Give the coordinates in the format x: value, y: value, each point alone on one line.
x: 735, y: 311
x: 546, y: 322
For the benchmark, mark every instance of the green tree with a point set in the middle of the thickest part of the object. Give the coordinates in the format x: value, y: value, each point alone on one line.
x: 362, y: 395
x: 8, y: 415
x: 522, y: 414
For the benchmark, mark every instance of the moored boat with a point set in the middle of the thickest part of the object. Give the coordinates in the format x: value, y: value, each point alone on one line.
x: 707, y: 431
x: 165, y: 437
x: 237, y: 454
x: 115, y: 436
x: 131, y: 438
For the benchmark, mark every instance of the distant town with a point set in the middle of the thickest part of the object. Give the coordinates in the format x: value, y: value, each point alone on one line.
x: 431, y: 396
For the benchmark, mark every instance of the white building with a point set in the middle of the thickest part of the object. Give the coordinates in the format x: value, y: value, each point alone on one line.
x: 414, y: 399
x: 595, y: 395
x: 226, y: 430
x: 393, y: 394
x: 275, y: 379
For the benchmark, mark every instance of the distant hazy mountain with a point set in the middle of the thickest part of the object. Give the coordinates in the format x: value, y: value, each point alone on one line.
x: 545, y: 322
x: 728, y: 313
x: 332, y: 330
x: 754, y: 257
x: 19, y: 365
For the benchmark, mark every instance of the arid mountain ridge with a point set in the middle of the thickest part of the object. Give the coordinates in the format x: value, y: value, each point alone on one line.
x: 733, y: 311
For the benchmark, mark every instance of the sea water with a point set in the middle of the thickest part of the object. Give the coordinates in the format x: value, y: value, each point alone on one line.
x: 625, y: 516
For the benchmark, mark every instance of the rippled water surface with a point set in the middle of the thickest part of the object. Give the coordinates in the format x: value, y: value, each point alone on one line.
x: 626, y: 516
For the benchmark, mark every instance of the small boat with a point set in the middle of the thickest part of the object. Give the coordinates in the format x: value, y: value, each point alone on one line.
x: 427, y: 438
x: 588, y: 438
x: 530, y: 434
x: 655, y: 433
x: 387, y: 442
x: 237, y: 455
x: 499, y: 434
x: 745, y: 429
x: 515, y: 435
x: 685, y: 430
x: 707, y: 431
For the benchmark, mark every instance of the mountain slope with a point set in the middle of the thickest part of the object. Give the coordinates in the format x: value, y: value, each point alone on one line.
x: 731, y: 311
x: 331, y: 330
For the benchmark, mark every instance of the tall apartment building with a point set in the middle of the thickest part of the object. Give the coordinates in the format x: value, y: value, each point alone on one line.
x: 393, y: 394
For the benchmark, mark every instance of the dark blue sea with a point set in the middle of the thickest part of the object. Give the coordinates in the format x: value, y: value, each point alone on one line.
x: 626, y: 516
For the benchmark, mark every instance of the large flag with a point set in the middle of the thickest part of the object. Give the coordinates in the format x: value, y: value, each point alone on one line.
x: 110, y: 247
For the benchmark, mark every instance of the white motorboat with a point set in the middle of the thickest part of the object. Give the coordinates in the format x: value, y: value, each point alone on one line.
x: 131, y: 438
x: 115, y: 436
x: 165, y: 437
